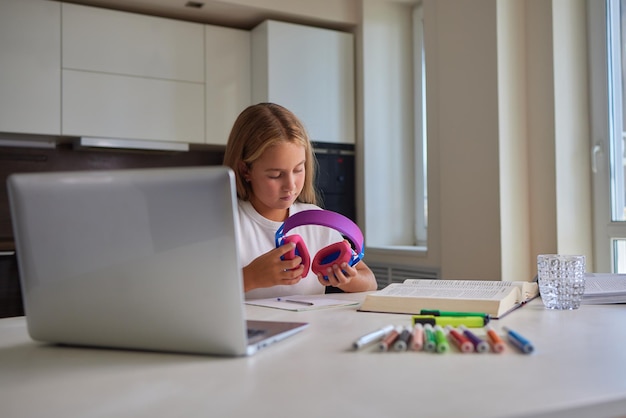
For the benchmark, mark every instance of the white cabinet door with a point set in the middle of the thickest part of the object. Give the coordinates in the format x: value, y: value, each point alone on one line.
x: 113, y: 106
x: 228, y: 80
x: 132, y: 76
x: 30, y: 66
x: 117, y: 42
x: 311, y: 72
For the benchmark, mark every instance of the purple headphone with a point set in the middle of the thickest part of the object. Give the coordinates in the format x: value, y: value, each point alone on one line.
x: 336, y: 253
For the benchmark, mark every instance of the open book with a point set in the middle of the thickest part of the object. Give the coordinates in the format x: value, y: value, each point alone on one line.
x: 495, y: 298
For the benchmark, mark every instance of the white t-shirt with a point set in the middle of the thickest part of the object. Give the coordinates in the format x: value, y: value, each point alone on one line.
x: 257, y: 237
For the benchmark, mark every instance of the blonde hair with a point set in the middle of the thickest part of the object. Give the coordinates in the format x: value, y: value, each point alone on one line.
x: 258, y: 128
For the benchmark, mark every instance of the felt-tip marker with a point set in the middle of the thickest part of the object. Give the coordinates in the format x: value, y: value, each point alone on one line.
x: 430, y: 344
x: 518, y: 341
x: 497, y: 345
x: 402, y: 342
x: 389, y: 339
x: 480, y: 345
x: 455, y: 321
x: 417, y: 340
x: 372, y: 337
x: 460, y: 340
x: 441, y: 340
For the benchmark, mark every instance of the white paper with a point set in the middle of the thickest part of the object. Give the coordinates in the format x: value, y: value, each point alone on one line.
x: 300, y: 302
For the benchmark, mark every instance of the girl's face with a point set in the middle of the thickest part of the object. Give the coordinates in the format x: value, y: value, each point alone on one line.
x: 276, y: 179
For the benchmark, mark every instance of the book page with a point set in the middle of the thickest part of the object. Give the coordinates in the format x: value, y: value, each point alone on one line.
x: 446, y: 289
x: 528, y: 290
x: 605, y: 284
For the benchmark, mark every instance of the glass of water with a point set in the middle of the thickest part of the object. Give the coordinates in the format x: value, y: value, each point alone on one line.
x: 561, y: 280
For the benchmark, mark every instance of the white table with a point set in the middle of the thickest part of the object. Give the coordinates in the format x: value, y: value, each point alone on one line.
x: 577, y: 370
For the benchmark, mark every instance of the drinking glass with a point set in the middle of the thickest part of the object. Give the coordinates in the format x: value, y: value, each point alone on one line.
x: 561, y: 280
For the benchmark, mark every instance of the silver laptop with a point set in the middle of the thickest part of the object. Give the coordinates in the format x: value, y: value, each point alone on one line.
x: 140, y: 259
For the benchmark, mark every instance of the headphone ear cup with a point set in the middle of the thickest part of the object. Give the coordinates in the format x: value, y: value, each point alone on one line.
x: 336, y: 253
x: 300, y: 250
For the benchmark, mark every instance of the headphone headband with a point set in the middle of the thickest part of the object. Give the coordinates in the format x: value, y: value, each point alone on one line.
x: 328, y: 219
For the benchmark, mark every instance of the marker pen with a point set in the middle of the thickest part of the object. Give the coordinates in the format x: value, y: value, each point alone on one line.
x: 518, y: 341
x: 480, y: 346
x: 437, y: 312
x: 455, y: 321
x: 417, y: 340
x: 441, y: 340
x: 402, y: 342
x: 497, y: 345
x: 460, y: 340
x: 371, y: 337
x: 429, y: 338
x: 389, y: 339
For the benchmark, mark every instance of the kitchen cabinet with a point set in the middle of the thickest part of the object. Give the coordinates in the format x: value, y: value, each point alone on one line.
x: 30, y: 69
x: 132, y: 76
x: 228, y: 79
x: 311, y: 72
x: 109, y: 41
x: 114, y: 106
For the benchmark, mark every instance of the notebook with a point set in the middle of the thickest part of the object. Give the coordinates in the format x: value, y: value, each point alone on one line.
x: 141, y: 259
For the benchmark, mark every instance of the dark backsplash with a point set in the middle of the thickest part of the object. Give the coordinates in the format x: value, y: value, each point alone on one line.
x: 65, y: 158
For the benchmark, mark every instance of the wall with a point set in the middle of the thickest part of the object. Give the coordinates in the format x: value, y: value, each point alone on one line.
x: 540, y: 125
x: 513, y: 131
x: 508, y: 124
x: 572, y: 127
x: 463, y: 115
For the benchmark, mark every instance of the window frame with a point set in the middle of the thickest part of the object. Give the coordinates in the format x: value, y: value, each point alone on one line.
x: 605, y: 88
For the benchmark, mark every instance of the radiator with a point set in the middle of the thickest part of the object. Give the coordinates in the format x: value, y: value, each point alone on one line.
x: 386, y: 273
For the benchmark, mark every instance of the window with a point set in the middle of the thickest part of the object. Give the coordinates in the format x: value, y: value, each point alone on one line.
x: 607, y: 52
x: 421, y: 189
x: 393, y: 156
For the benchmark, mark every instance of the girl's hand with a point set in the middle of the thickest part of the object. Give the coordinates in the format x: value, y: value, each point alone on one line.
x: 358, y: 278
x: 270, y: 270
x: 338, y: 275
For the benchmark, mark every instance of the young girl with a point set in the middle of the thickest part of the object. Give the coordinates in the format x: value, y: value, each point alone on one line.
x: 272, y: 157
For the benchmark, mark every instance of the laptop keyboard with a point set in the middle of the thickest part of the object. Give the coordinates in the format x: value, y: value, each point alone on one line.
x: 255, y: 332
